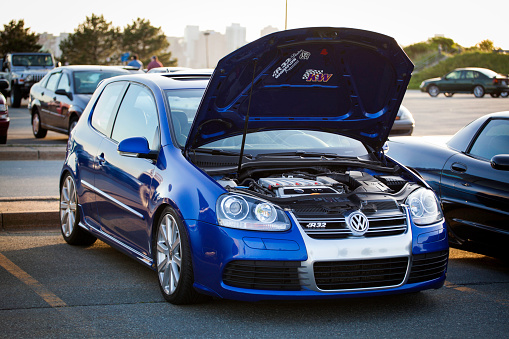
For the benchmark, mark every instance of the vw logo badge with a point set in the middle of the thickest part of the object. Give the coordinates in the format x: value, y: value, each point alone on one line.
x: 357, y: 222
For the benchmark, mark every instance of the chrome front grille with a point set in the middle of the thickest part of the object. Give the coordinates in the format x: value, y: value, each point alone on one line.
x: 337, y: 228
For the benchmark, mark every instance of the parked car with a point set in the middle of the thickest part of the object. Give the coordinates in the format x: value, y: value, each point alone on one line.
x: 266, y: 181
x: 470, y: 174
x: 404, y: 123
x: 57, y: 101
x: 23, y: 70
x: 4, y: 112
x: 468, y: 80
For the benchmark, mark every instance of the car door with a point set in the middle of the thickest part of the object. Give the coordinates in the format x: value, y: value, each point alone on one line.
x: 466, y: 82
x: 101, y: 122
x: 61, y: 103
x: 47, y: 95
x: 450, y: 82
x: 475, y: 195
x: 126, y: 182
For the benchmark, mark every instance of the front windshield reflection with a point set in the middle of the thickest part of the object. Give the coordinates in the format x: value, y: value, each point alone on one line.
x: 292, y: 140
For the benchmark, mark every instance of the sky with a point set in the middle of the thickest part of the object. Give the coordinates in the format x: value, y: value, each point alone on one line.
x: 408, y: 21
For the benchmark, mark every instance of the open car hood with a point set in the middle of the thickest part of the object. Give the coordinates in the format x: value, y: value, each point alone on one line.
x: 338, y: 80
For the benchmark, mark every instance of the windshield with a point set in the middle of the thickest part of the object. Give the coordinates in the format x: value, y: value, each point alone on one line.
x: 184, y: 104
x: 32, y: 60
x: 490, y: 73
x: 292, y: 140
x: 85, y: 82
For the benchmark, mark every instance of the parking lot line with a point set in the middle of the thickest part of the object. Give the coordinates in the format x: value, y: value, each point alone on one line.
x: 28, y: 280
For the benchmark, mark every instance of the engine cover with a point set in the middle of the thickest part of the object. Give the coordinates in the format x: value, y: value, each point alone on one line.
x: 290, y: 187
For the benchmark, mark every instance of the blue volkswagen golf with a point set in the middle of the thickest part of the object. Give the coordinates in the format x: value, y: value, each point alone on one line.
x: 266, y: 181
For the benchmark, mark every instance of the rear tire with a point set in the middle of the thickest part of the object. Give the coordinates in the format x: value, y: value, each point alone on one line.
x: 15, y: 96
x: 504, y: 94
x: 495, y: 95
x: 433, y: 91
x: 69, y: 215
x: 172, y: 255
x: 448, y: 94
x: 37, y: 130
x: 479, y: 91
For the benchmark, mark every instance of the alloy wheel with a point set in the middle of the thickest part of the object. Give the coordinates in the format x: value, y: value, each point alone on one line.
x: 433, y: 90
x: 169, y: 254
x: 68, y: 204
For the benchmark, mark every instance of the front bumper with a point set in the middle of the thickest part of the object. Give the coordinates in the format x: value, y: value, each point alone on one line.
x: 4, y: 126
x: 296, y: 262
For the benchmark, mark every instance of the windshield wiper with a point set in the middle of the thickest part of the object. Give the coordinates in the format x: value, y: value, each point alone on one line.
x: 305, y: 154
x: 219, y: 152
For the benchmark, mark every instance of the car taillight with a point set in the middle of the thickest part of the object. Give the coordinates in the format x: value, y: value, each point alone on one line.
x: 495, y: 81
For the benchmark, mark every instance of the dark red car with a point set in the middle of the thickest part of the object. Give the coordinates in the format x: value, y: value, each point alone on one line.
x: 4, y: 114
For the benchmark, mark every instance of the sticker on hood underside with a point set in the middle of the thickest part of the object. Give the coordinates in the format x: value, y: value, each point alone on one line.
x: 291, y: 62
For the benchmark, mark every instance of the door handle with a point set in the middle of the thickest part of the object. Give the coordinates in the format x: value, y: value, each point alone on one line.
x: 459, y: 167
x: 101, y: 159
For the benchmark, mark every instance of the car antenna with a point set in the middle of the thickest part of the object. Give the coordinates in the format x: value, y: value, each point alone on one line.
x: 246, y: 119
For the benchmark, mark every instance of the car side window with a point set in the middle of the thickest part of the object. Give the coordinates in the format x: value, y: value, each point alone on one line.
x: 64, y: 83
x: 137, y: 117
x: 53, y: 81
x: 469, y: 75
x: 493, y: 139
x: 103, y: 114
x: 453, y: 75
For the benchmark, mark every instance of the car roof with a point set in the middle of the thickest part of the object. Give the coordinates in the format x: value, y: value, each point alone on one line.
x: 480, y: 69
x: 163, y: 82
x: 92, y: 68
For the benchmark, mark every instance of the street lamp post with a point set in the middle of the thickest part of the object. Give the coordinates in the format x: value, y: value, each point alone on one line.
x: 207, y: 33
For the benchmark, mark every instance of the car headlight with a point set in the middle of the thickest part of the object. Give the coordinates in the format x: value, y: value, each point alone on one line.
x: 424, y: 207
x: 29, y: 77
x: 249, y: 213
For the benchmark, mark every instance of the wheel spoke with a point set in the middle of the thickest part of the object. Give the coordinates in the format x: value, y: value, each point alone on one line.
x: 162, y: 248
x: 175, y: 244
x: 166, y: 277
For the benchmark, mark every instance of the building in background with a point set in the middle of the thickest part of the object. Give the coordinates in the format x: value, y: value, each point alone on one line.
x: 196, y: 49
x: 268, y: 30
x: 51, y: 43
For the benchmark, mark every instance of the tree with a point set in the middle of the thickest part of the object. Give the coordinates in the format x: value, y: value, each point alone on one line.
x: 16, y: 38
x: 146, y: 40
x: 94, y: 42
x: 485, y: 46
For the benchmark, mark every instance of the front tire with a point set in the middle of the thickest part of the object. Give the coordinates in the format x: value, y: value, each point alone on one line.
x: 37, y: 130
x: 69, y: 215
x: 504, y: 94
x: 72, y: 124
x: 15, y: 96
x: 495, y: 95
x: 479, y: 91
x: 172, y: 255
x: 433, y: 91
x: 448, y: 94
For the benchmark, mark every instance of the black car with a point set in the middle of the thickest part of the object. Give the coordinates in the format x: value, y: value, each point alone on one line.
x: 470, y: 174
x: 57, y: 101
x: 478, y: 81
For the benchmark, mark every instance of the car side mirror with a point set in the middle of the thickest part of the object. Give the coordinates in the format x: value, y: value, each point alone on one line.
x: 500, y: 162
x: 136, y: 147
x: 64, y: 92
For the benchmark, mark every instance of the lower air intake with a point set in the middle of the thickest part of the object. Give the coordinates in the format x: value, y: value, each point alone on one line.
x: 263, y: 275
